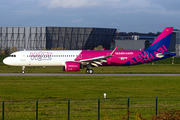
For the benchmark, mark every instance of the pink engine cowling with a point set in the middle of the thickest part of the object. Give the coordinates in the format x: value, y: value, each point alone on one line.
x: 72, y: 66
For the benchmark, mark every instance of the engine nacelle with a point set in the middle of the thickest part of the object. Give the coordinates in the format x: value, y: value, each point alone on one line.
x: 71, y: 66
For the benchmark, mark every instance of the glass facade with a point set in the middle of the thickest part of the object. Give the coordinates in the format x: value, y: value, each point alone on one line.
x: 70, y: 38
x: 29, y: 38
x: 73, y: 38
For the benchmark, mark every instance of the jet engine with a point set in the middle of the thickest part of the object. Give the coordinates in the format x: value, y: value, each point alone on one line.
x: 71, y: 66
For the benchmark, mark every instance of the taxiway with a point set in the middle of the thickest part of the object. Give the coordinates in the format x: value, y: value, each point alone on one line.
x: 80, y: 74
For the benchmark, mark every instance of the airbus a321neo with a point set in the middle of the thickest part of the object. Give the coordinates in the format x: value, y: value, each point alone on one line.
x: 74, y: 60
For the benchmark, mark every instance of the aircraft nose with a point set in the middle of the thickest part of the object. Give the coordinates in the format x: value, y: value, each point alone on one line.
x: 6, y: 61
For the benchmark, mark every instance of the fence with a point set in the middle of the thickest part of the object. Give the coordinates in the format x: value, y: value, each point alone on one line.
x: 119, y: 108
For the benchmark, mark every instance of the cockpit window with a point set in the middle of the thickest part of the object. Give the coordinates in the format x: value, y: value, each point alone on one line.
x: 12, y: 56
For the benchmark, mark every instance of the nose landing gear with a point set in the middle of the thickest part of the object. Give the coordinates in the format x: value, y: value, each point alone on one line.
x: 23, y: 69
x: 89, y: 70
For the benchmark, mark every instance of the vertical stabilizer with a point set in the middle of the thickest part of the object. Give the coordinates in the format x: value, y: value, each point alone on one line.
x: 163, y: 40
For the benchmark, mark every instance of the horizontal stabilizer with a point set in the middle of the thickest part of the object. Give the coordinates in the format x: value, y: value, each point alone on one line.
x: 169, y: 53
x: 160, y: 55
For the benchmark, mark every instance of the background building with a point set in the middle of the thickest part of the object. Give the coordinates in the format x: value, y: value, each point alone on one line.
x: 71, y: 38
x: 175, y: 42
x: 130, y: 44
x: 78, y: 38
x: 29, y: 38
x: 137, y: 42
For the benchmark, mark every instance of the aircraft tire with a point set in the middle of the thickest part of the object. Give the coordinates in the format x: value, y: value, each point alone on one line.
x: 89, y: 71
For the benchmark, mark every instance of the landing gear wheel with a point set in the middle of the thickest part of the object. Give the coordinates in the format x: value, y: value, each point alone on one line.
x: 89, y: 71
x: 23, y: 69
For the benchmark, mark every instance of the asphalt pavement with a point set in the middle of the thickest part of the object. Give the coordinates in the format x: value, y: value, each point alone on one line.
x: 83, y: 74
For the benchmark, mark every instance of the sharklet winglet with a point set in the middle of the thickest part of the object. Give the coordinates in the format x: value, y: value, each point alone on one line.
x: 114, y: 51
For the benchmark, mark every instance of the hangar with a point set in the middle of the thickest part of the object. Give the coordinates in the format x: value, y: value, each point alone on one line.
x: 71, y: 38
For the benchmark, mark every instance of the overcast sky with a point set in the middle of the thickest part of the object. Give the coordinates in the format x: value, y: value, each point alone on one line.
x: 125, y: 15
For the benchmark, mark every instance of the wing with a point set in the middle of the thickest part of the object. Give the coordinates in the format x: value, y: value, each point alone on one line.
x: 96, y: 61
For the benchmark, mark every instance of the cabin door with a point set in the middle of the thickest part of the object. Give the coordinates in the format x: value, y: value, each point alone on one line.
x: 23, y: 56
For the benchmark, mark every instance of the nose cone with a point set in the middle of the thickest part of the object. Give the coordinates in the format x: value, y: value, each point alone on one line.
x: 7, y: 61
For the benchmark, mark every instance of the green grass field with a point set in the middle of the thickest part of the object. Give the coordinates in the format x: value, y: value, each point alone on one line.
x: 32, y: 88
x: 21, y: 93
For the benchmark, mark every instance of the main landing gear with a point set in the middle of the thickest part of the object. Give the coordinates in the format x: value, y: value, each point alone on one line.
x: 23, y: 69
x: 89, y: 70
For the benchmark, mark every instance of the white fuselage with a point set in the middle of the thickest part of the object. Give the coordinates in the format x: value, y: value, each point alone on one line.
x: 41, y: 58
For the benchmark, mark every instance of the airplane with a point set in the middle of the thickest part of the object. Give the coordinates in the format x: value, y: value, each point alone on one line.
x: 74, y: 60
